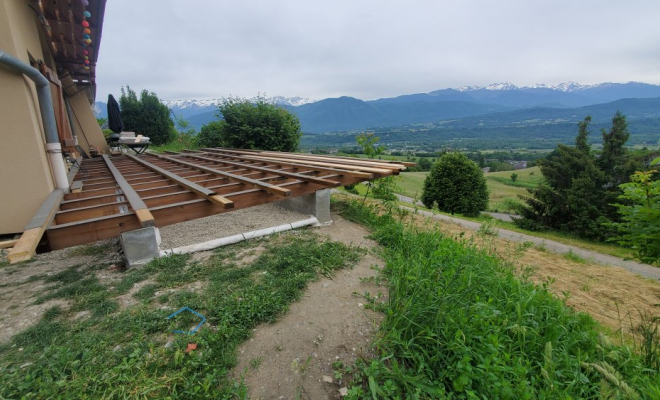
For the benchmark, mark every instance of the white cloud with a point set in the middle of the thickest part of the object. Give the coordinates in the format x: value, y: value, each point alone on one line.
x: 370, y: 48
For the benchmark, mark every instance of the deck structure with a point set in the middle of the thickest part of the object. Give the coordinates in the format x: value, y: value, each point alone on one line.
x: 115, y: 194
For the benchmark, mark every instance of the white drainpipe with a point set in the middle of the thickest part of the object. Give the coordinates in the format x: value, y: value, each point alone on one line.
x: 212, y: 244
x: 53, y: 146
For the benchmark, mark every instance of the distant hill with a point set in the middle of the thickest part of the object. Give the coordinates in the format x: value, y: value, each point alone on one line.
x: 468, y: 104
x: 540, y: 127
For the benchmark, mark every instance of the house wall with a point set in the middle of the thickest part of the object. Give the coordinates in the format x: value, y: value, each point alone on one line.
x: 26, y: 179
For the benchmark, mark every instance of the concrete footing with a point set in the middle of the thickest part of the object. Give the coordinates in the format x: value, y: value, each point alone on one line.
x: 140, y: 246
x: 316, y: 204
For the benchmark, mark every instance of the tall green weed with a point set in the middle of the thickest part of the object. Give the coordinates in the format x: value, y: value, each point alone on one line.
x: 459, y: 323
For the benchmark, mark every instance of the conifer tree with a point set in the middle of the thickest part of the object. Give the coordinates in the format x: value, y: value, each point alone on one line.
x: 146, y: 116
x: 579, y: 188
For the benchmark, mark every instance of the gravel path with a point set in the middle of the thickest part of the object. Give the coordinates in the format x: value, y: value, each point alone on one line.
x: 226, y: 224
x: 501, y: 216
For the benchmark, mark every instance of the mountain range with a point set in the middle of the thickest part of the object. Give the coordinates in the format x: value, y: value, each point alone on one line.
x: 497, y: 104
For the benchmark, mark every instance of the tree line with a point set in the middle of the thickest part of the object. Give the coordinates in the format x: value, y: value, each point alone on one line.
x: 241, y: 123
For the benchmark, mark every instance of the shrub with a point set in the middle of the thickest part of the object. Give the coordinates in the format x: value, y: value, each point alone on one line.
x: 211, y: 135
x: 259, y: 125
x: 457, y: 185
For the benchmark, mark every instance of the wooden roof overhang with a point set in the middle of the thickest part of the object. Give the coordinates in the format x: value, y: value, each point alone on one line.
x: 61, y: 21
x: 122, y: 193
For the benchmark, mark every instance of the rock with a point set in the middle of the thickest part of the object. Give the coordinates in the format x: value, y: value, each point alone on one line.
x: 326, y: 378
x: 343, y: 392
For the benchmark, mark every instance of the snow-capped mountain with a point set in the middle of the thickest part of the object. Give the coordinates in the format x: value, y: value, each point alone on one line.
x: 202, y: 103
x: 567, y: 87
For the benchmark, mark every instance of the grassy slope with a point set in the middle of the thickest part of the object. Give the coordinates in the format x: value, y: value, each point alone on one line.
x: 501, y: 193
x: 460, y: 322
x: 500, y: 186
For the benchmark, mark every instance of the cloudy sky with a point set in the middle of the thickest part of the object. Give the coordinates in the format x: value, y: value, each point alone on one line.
x: 194, y: 49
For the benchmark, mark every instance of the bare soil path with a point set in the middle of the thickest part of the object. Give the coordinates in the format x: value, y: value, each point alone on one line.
x: 294, y: 357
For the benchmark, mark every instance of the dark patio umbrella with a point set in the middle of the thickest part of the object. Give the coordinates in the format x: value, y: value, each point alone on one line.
x: 114, y: 115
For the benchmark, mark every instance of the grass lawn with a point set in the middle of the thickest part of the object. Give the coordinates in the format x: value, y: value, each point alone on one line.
x: 503, y: 191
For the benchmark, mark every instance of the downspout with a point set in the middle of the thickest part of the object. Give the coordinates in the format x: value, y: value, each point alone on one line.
x: 53, y: 146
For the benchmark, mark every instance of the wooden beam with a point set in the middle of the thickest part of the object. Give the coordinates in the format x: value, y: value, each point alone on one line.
x: 208, y: 194
x: 357, y: 174
x: 141, y: 209
x: 294, y: 175
x: 248, y: 181
x: 74, y: 170
x: 76, y: 187
x: 8, y: 243
x: 365, y: 162
x: 26, y: 246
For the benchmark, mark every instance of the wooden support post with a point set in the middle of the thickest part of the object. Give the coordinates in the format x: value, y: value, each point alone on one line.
x: 209, y: 194
x: 26, y: 246
x: 141, y: 209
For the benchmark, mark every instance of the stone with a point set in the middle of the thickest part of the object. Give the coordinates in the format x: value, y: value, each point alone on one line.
x: 316, y: 204
x: 140, y: 246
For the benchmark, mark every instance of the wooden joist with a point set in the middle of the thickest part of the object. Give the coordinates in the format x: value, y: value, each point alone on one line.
x: 357, y: 174
x: 210, y: 195
x: 293, y: 175
x: 74, y: 170
x: 363, y: 162
x: 26, y: 246
x: 251, y: 182
x: 8, y: 243
x: 141, y: 209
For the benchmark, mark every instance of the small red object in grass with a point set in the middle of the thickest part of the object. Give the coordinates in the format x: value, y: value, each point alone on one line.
x: 191, y: 347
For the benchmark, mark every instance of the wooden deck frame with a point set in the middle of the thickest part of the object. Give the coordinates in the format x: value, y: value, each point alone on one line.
x: 193, y: 187
x: 125, y: 192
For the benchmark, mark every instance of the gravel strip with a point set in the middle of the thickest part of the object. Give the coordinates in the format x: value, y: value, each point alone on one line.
x: 226, y: 224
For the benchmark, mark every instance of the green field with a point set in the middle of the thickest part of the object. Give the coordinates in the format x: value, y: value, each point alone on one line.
x: 503, y: 191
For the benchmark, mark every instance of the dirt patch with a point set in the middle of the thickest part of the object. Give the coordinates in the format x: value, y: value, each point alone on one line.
x: 293, y: 357
x: 21, y: 284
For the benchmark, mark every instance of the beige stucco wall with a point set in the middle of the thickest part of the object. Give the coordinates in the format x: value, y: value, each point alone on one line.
x: 25, y: 180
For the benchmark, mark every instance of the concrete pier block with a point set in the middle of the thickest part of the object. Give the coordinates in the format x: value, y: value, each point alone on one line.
x: 140, y: 246
x: 316, y: 204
